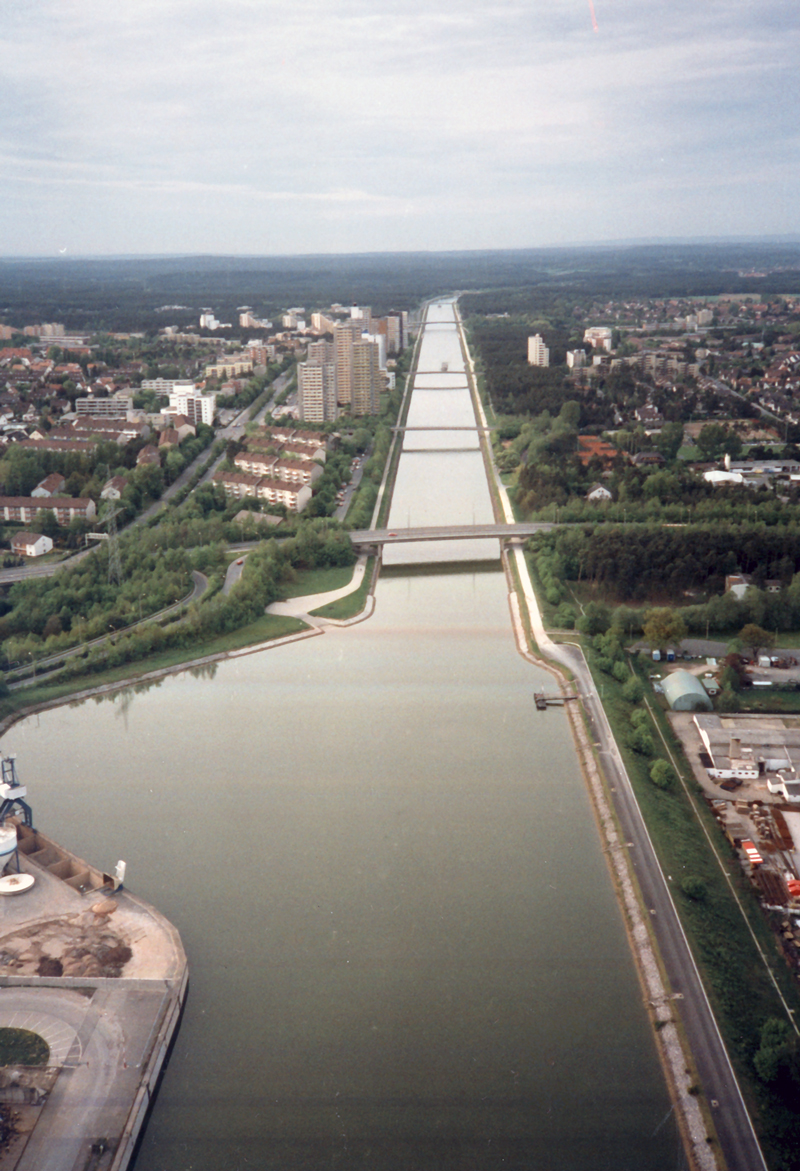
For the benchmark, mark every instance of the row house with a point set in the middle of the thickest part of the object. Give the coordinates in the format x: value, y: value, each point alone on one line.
x: 293, y: 471
x: 297, y: 471
x: 306, y: 451
x: 256, y: 463
x: 292, y: 496
x: 230, y: 367
x: 238, y: 484
x: 296, y: 449
x: 283, y: 433
x: 25, y: 508
x: 275, y: 434
x: 73, y: 446
x: 295, y: 497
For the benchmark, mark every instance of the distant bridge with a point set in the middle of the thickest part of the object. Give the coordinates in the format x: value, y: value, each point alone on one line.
x: 473, y: 427
x: 446, y: 533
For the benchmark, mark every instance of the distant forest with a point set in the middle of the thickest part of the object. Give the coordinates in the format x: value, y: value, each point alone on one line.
x: 102, y: 295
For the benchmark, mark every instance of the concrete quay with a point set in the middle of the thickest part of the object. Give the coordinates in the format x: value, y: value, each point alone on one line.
x: 102, y: 977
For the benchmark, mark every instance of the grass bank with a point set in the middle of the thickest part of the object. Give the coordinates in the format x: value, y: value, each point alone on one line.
x: 351, y: 604
x: 319, y: 581
x: 265, y: 629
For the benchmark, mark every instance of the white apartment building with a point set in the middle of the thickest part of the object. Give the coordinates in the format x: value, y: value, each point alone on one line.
x: 363, y: 314
x: 105, y: 408
x: 321, y: 323
x: 198, y: 408
x: 599, y: 336
x: 379, y: 339
x: 316, y: 390
x: 366, y: 378
x: 538, y: 353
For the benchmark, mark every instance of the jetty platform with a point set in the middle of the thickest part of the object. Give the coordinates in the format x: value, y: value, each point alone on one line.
x: 101, y: 977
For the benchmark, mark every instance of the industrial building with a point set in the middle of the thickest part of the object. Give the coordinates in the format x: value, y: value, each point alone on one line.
x: 745, y: 748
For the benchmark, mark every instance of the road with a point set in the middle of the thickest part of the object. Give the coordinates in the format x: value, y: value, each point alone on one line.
x: 235, y: 429
x: 723, y: 389
x: 732, y: 1121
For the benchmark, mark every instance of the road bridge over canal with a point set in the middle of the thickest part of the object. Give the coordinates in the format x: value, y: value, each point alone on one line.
x: 447, y: 533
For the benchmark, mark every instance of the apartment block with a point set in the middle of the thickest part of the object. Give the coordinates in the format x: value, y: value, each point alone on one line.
x: 538, y: 353
x: 316, y: 389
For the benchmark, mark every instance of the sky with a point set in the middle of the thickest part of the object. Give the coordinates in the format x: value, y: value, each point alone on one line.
x: 262, y: 128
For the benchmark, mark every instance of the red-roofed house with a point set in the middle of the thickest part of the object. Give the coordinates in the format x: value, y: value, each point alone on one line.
x: 591, y: 446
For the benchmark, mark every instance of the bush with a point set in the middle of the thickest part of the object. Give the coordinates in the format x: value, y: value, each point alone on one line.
x: 778, y: 1054
x: 633, y: 691
x: 640, y: 718
x: 620, y: 672
x: 565, y: 616
x: 641, y: 741
x: 694, y: 888
x: 728, y: 700
x: 662, y: 775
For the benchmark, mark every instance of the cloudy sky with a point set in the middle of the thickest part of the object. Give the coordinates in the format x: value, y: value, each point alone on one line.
x: 253, y: 126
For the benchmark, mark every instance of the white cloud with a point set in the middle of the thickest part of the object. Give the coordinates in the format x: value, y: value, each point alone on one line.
x: 393, y: 107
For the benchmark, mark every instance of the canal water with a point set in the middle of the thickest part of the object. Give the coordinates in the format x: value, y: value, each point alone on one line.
x: 404, y: 945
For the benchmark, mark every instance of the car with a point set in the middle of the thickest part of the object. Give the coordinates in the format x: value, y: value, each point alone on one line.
x: 240, y: 561
x: 392, y: 534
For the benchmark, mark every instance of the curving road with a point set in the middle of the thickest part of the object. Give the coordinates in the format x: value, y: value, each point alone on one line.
x: 22, y: 677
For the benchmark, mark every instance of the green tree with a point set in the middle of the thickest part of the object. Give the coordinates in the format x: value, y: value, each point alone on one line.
x: 596, y: 619
x: 662, y: 626
x: 728, y: 700
x: 670, y: 439
x: 755, y: 637
x: 711, y: 440
x: 47, y: 523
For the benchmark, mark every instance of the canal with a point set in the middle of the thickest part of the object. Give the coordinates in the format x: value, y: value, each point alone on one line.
x: 404, y: 946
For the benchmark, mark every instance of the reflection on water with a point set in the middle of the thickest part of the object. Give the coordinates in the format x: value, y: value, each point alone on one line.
x: 404, y: 945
